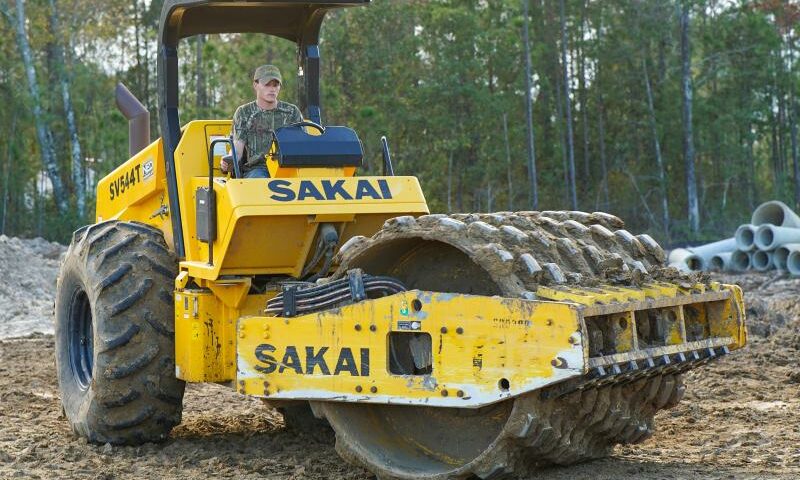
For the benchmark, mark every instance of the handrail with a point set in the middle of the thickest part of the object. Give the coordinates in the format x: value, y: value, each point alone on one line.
x: 214, y: 143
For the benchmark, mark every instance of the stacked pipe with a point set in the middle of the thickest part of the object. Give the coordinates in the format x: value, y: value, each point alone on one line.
x: 771, y: 241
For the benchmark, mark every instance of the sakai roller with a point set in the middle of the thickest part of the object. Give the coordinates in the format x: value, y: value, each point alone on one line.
x: 436, y: 346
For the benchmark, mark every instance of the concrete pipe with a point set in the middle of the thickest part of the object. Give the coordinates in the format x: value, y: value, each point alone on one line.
x: 741, y: 260
x: 710, y: 249
x: 695, y: 263
x: 745, y: 237
x: 685, y: 260
x: 762, y: 260
x: 770, y: 237
x: 793, y: 263
x: 776, y: 213
x: 721, y: 262
x: 780, y: 258
x: 677, y: 255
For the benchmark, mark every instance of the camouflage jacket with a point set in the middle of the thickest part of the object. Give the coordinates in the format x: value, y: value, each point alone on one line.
x: 254, y: 127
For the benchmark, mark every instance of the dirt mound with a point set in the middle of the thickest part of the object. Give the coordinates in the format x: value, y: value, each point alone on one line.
x: 29, y: 268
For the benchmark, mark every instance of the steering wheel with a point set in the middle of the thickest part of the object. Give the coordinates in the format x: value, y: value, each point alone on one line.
x: 308, y: 123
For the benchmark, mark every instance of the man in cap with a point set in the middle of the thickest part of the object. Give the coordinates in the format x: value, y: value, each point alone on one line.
x: 254, y: 122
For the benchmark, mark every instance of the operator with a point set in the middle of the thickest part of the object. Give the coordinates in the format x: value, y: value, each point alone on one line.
x: 254, y: 122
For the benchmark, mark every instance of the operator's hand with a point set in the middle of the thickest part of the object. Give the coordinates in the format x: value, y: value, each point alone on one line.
x: 226, y: 164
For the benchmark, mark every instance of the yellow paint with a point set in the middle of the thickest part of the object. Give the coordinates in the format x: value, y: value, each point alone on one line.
x: 205, y: 328
x: 256, y: 234
x: 525, y: 342
x: 723, y: 318
x: 727, y: 318
x: 676, y: 330
x: 199, y: 336
x: 144, y: 199
x: 625, y: 338
x: 232, y: 292
x: 516, y: 340
x: 182, y: 280
x: 604, y: 294
x: 660, y: 289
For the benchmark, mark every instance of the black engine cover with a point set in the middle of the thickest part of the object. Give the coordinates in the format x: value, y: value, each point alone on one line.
x: 336, y: 147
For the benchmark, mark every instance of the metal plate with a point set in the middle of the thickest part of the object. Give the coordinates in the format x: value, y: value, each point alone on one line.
x: 484, y: 349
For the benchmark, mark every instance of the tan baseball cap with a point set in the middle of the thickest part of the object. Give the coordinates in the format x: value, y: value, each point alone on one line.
x: 265, y: 73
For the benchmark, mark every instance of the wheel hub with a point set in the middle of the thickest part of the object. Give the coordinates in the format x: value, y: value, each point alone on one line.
x: 81, y: 339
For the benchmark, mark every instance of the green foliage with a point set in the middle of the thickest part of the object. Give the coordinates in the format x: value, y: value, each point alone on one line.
x: 436, y: 77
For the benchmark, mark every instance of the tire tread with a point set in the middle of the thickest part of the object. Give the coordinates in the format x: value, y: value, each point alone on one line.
x: 128, y: 274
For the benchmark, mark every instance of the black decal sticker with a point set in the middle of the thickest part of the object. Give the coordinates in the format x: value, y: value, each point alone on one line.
x: 365, y: 189
x: 291, y: 360
x: 314, y: 359
x: 262, y: 357
x: 111, y: 191
x: 346, y: 363
x: 337, y: 188
x: 280, y: 190
x: 308, y: 189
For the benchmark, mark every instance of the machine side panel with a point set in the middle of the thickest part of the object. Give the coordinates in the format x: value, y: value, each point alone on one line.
x: 136, y: 191
x: 268, y: 226
x: 191, y: 162
x: 205, y: 333
x: 469, y: 351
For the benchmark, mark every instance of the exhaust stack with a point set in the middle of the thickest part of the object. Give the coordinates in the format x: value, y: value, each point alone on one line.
x: 138, y: 119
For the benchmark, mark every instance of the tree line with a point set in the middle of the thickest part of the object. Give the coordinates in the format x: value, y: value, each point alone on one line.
x: 679, y: 116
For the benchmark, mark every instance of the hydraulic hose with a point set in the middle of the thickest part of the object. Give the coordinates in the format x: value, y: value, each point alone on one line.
x: 298, y: 299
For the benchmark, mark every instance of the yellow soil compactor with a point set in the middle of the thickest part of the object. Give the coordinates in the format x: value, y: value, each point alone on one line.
x: 435, y: 346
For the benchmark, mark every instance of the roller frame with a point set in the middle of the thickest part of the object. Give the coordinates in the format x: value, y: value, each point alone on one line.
x: 478, y: 343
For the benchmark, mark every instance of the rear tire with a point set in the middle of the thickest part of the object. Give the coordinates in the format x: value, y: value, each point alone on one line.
x: 115, y: 337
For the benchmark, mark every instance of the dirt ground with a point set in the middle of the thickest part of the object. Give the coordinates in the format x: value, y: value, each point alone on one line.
x: 739, y: 419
